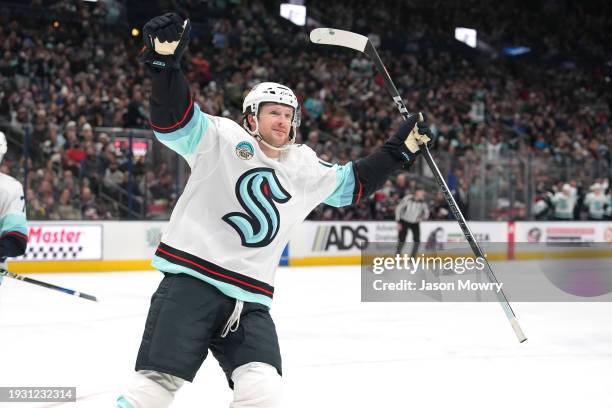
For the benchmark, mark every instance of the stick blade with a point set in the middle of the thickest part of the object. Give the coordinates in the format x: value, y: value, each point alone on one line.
x: 518, y: 331
x: 342, y: 38
x: 88, y: 297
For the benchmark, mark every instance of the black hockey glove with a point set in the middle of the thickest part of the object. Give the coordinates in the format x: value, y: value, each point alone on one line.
x: 400, y: 151
x: 165, y: 41
x: 2, y: 266
x: 404, y: 144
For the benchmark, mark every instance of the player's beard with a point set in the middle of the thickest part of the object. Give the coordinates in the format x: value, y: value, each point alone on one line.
x: 276, y: 138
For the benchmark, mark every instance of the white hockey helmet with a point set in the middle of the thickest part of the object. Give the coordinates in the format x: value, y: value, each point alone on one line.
x: 3, y: 146
x: 275, y: 93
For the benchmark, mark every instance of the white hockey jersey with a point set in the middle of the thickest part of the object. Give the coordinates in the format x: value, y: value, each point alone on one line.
x: 596, y: 203
x: 239, y: 207
x: 564, y: 206
x: 12, y: 208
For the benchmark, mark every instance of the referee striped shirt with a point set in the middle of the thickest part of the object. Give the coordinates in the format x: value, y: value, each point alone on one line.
x: 411, y: 210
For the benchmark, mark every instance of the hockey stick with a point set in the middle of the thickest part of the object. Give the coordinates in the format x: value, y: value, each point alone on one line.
x: 361, y: 43
x: 48, y: 285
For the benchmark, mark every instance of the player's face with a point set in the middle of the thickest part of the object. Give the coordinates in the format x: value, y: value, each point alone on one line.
x: 275, y: 123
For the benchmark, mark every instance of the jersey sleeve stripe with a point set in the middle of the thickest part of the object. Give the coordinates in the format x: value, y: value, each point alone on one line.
x: 188, y: 113
x: 344, y: 192
x: 358, y: 194
x: 185, y: 140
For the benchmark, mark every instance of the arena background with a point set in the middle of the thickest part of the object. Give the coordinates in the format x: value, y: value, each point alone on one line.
x: 517, y: 117
x: 521, y: 113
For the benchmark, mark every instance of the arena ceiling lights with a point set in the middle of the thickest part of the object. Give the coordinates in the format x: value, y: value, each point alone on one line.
x: 296, y: 13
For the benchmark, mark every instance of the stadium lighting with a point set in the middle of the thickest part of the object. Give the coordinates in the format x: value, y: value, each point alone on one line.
x: 135, y: 32
x: 518, y: 50
x: 467, y: 36
x: 295, y: 13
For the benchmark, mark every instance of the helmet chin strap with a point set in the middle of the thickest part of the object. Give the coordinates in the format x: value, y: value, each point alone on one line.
x: 259, y: 138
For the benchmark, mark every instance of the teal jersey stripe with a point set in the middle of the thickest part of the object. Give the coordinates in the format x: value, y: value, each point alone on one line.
x: 185, y: 140
x: 345, y: 186
x: 227, y: 289
x: 14, y: 222
x: 123, y: 403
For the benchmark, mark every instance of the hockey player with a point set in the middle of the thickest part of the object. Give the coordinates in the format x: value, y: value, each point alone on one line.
x: 564, y: 203
x: 543, y: 206
x: 250, y: 185
x: 13, y: 228
x: 595, y: 202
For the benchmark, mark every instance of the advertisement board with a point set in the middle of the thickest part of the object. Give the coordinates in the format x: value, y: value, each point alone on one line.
x: 339, y: 238
x: 63, y: 242
x: 337, y: 241
x: 561, y: 231
x: 433, y: 232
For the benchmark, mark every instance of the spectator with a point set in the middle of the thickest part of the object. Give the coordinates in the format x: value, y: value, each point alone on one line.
x: 113, y: 176
x: 65, y: 210
x: 89, y: 208
x: 552, y: 117
x: 440, y: 209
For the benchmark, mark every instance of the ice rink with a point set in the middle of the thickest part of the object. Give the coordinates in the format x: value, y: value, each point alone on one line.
x: 337, y: 351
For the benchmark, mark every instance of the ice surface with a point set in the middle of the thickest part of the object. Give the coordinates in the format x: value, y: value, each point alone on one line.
x: 337, y: 351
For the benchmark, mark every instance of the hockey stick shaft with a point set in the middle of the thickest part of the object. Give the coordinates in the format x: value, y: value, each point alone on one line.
x: 362, y: 44
x: 501, y: 296
x: 48, y: 285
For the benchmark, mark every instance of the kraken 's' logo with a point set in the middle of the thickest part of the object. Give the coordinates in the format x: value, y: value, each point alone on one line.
x: 257, y: 191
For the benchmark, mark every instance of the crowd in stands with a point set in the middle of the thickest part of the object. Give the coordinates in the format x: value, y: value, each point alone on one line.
x: 508, y: 130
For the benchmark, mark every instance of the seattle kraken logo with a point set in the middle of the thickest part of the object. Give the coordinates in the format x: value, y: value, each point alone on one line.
x: 257, y: 190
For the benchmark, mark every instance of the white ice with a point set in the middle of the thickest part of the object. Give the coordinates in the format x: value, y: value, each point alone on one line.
x: 337, y: 351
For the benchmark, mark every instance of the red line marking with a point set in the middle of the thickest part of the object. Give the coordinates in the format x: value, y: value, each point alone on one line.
x: 215, y: 273
x: 360, y: 185
x: 360, y: 190
x: 179, y: 122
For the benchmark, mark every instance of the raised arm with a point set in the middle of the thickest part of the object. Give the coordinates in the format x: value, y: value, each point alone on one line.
x: 176, y: 121
x: 363, y: 177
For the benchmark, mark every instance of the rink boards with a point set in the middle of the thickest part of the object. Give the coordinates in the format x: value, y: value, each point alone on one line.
x: 129, y: 245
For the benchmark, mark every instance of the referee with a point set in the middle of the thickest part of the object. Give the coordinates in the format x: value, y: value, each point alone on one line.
x: 410, y: 211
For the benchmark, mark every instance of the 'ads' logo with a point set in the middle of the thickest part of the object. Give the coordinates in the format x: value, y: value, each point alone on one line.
x: 340, y: 237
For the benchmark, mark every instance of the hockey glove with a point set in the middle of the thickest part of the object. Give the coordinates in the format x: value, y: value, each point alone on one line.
x: 165, y: 41
x: 2, y: 267
x: 404, y: 144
